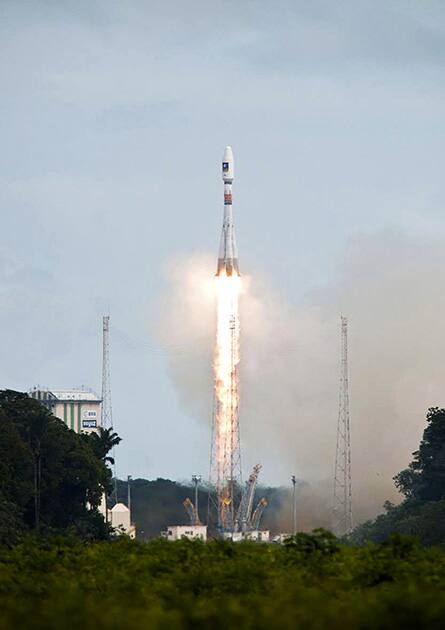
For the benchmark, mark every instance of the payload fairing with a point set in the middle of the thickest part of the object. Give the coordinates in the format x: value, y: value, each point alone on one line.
x: 228, y: 253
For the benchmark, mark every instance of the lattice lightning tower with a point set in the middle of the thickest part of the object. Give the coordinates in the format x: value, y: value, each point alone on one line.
x: 107, y: 413
x: 107, y: 416
x: 342, y: 507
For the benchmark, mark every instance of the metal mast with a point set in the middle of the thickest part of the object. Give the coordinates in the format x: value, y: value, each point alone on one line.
x: 107, y: 416
x: 342, y: 507
x: 294, y: 504
x: 196, y: 479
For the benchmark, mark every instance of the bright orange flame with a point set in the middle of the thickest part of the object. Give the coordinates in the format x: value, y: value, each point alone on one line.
x: 227, y: 355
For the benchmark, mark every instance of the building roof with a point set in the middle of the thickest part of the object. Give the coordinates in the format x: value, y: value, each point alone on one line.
x: 186, y: 526
x: 76, y: 394
x: 64, y: 395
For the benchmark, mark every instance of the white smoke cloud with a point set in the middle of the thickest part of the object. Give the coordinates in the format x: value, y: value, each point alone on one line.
x: 391, y: 287
x: 183, y: 318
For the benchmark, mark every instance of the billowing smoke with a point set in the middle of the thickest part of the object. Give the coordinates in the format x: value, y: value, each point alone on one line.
x: 391, y: 287
x: 183, y: 318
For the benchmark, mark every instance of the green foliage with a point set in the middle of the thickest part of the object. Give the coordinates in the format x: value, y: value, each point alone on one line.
x: 102, y: 443
x: 424, y: 479
x: 51, y: 479
x: 11, y: 523
x: 317, y: 546
x: 312, y: 582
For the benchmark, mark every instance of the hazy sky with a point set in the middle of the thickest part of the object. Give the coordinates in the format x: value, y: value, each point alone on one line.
x: 114, y: 117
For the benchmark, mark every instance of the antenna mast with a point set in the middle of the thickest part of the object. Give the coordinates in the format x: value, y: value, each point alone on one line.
x: 107, y: 416
x: 107, y: 413
x: 342, y: 508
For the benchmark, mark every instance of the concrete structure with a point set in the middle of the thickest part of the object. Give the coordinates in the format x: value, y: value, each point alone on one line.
x: 119, y: 518
x: 80, y: 409
x: 192, y: 532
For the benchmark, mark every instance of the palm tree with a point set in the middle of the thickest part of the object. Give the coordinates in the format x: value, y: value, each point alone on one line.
x: 103, y: 442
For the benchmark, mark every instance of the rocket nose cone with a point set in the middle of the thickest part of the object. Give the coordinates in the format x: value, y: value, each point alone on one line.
x: 227, y: 165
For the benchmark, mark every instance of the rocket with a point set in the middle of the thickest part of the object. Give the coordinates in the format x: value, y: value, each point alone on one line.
x: 228, y: 253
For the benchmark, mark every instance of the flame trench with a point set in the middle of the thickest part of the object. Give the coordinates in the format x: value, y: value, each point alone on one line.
x: 226, y: 443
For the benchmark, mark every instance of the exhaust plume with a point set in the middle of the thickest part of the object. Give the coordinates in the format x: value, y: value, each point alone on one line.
x: 226, y: 462
x: 390, y: 286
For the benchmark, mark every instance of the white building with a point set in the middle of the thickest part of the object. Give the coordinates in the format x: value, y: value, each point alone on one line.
x: 192, y: 532
x: 80, y: 409
x: 120, y: 520
x: 257, y: 535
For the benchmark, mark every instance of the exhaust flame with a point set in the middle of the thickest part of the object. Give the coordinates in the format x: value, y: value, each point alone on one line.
x: 225, y: 365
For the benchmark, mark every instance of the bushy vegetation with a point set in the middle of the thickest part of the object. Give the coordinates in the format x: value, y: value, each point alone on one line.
x: 422, y: 512
x: 51, y: 479
x: 311, y: 582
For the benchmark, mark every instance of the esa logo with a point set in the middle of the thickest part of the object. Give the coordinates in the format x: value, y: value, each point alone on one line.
x: 225, y: 167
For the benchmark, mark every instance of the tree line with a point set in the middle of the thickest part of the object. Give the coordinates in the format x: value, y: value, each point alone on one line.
x: 51, y: 479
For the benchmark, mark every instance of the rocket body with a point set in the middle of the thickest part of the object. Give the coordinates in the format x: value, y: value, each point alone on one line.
x: 228, y: 253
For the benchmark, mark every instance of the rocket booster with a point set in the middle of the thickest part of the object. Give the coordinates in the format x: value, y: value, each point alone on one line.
x: 228, y: 253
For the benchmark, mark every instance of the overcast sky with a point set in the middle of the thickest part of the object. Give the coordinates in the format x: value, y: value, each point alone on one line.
x: 114, y: 117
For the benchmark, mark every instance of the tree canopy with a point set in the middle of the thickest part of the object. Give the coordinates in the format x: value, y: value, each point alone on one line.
x: 424, y: 479
x: 51, y: 479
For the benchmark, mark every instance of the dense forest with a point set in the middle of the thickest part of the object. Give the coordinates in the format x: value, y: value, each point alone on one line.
x: 51, y: 479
